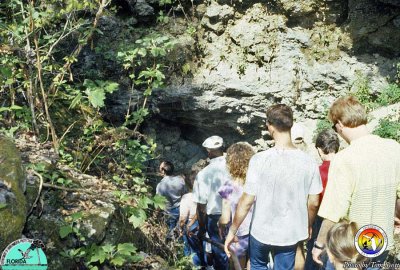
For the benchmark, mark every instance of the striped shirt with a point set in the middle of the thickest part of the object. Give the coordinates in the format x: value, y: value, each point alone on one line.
x: 362, y: 186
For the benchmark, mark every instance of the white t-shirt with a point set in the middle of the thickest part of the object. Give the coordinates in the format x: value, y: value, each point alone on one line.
x: 188, y: 207
x: 207, y: 183
x: 281, y: 180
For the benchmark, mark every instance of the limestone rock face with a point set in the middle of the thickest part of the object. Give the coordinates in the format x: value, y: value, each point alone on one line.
x: 374, y: 26
x: 260, y: 57
x: 240, y: 57
x: 12, y: 199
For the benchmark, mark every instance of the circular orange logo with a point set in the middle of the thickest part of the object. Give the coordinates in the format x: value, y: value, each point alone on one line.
x: 371, y: 241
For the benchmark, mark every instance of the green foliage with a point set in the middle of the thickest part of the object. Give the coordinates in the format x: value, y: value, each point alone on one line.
x: 20, y: 114
x: 72, y: 228
x: 162, y: 18
x: 321, y: 125
x: 165, y: 2
x: 362, y: 91
x: 389, y: 95
x: 191, y: 30
x: 112, y: 255
x: 44, y: 88
x: 388, y: 128
x: 52, y: 175
x: 325, y: 43
x: 94, y: 255
x: 96, y: 91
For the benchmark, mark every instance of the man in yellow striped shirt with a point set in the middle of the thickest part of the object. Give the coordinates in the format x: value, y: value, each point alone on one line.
x: 364, y: 178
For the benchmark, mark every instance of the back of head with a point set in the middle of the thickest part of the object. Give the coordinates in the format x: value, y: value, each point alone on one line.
x: 167, y: 167
x: 237, y: 160
x: 328, y: 141
x: 349, y: 111
x: 280, y: 116
x: 190, y: 177
x: 340, y: 243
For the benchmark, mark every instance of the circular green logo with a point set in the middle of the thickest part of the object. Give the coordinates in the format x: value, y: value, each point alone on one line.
x: 24, y: 254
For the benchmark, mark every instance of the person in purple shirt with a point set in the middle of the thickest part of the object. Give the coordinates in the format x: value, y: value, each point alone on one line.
x: 237, y: 160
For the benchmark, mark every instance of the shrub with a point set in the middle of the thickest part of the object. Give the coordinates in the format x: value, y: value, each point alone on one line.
x: 388, y: 128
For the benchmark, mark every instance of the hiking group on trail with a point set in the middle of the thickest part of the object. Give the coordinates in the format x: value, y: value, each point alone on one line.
x: 265, y: 207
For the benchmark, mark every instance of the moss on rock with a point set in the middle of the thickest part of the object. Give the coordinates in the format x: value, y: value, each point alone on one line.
x: 13, y: 212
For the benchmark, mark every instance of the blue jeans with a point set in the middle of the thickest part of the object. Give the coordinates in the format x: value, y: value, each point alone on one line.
x: 220, y: 258
x: 172, y: 216
x: 284, y: 256
x: 380, y: 259
x: 193, y: 246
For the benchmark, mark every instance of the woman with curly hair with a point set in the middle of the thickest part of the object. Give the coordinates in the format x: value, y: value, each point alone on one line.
x: 237, y: 160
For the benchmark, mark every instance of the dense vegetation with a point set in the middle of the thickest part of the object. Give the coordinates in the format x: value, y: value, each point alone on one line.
x: 388, y: 127
x: 48, y: 94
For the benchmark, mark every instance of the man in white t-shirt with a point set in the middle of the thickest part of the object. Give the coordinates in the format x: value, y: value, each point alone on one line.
x: 209, y: 202
x: 172, y: 188
x: 285, y: 184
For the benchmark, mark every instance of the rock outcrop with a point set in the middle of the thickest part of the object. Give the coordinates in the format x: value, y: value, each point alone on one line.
x: 260, y: 55
x: 12, y: 199
x: 242, y: 56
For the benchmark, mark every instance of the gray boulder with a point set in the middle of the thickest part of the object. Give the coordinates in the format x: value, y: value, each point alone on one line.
x: 12, y: 188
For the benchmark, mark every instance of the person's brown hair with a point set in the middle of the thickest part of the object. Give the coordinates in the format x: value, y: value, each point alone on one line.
x: 328, y: 141
x: 237, y: 160
x: 167, y: 167
x: 340, y: 242
x: 349, y: 111
x: 280, y: 116
x: 190, y: 177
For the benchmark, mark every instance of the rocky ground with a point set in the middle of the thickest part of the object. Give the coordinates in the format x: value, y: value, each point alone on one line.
x: 103, y: 223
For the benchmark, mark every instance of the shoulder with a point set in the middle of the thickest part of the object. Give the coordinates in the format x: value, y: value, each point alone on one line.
x: 215, y: 164
x: 162, y: 181
x: 390, y: 143
x: 262, y: 155
x: 307, y: 157
x: 179, y: 178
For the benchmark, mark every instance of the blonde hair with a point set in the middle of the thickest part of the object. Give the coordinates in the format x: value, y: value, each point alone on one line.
x: 349, y: 111
x: 237, y: 160
x: 340, y: 242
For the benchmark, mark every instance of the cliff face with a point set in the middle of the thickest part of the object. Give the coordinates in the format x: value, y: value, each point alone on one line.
x: 302, y: 53
x: 240, y: 57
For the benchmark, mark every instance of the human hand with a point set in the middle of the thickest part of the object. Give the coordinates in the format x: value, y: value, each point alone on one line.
x: 230, y: 238
x: 316, y: 255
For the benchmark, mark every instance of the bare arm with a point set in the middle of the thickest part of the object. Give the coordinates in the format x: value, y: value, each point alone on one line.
x: 226, y: 212
x: 397, y: 208
x: 243, y: 208
x: 182, y: 222
x: 312, y: 206
x: 321, y: 240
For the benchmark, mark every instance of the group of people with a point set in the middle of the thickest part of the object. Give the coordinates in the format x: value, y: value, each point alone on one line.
x: 263, y: 206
